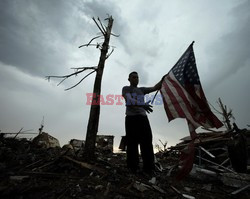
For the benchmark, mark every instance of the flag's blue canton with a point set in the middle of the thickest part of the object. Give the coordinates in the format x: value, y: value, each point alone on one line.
x: 185, y: 69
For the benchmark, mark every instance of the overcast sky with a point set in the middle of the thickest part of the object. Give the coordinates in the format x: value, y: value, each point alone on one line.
x: 40, y: 38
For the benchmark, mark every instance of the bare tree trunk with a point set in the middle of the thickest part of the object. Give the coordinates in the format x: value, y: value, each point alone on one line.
x: 93, y: 122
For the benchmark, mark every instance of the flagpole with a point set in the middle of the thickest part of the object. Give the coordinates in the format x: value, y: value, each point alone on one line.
x: 154, y: 96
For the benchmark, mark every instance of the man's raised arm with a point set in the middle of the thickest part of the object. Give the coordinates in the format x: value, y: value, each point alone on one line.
x: 155, y: 87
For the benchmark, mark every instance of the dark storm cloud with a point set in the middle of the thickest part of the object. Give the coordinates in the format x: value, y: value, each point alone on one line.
x: 37, y: 36
x: 231, y: 51
x: 29, y: 30
x: 23, y: 37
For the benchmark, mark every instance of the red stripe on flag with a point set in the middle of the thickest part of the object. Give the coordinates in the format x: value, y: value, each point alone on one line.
x: 168, y: 112
x: 174, y: 101
x: 181, y: 92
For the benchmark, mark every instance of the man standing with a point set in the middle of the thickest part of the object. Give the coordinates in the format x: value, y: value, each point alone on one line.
x: 138, y: 130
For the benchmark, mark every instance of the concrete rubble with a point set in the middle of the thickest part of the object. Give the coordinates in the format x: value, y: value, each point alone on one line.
x: 45, y: 140
x: 30, y: 170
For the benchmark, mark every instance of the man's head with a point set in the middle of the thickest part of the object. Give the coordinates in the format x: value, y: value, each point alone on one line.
x: 133, y: 78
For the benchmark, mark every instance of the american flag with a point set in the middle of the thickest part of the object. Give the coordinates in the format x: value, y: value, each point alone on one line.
x: 183, y: 95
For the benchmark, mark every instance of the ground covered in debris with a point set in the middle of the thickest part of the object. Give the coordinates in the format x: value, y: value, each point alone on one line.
x: 28, y: 171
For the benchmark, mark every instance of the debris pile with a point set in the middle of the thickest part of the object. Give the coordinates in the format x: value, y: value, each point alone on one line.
x: 28, y: 170
x: 220, y: 150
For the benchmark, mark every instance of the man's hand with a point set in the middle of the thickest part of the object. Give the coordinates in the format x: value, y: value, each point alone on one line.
x: 148, y: 107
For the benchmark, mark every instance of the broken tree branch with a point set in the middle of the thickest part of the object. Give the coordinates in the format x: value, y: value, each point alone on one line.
x: 102, y: 31
x: 18, y: 133
x: 82, y: 69
x: 80, y: 81
x: 96, y: 45
x: 115, y: 35
x: 215, y: 109
x: 86, y: 68
x: 110, y: 53
x: 91, y: 41
x: 101, y: 24
x: 227, y: 115
x: 63, y: 76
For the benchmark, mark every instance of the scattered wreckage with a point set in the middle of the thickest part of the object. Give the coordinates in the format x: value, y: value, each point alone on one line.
x: 35, y: 169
